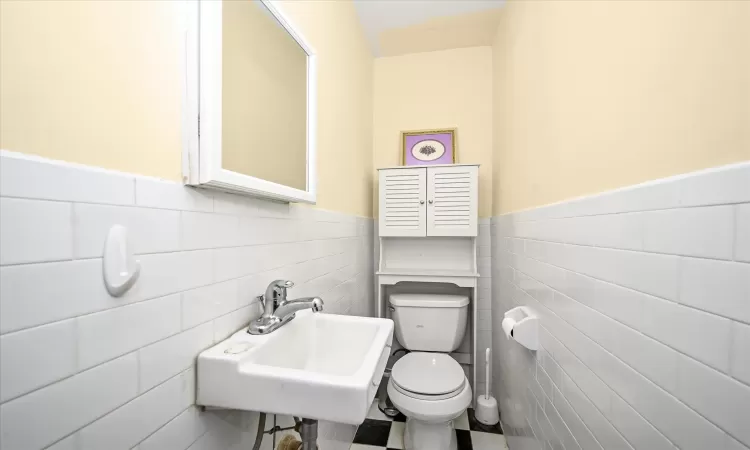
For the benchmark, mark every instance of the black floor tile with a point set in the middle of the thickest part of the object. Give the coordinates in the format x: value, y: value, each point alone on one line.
x: 399, y: 418
x: 463, y: 439
x: 475, y: 425
x: 373, y: 432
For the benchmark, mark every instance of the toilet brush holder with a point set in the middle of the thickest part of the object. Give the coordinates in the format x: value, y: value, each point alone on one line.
x: 486, y: 411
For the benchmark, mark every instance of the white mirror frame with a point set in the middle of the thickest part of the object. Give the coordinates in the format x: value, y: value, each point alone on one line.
x: 202, y: 153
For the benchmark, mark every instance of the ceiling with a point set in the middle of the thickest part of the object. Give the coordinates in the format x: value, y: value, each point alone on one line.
x: 396, y: 27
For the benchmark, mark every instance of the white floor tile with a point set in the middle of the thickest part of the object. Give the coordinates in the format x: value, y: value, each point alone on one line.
x: 462, y: 422
x: 396, y: 436
x: 365, y: 447
x: 487, y: 441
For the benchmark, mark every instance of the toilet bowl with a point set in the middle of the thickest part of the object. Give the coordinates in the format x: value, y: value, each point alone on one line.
x: 431, y: 390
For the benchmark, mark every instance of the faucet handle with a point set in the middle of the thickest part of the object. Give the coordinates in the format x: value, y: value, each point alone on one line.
x: 275, y: 292
x: 280, y: 287
x: 283, y: 284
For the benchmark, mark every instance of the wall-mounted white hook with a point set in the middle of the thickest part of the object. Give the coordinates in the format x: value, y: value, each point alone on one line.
x: 121, y: 269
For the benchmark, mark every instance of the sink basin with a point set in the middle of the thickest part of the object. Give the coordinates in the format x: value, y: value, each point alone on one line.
x: 318, y: 366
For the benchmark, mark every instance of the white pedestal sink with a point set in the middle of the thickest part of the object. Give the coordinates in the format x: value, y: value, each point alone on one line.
x: 318, y: 366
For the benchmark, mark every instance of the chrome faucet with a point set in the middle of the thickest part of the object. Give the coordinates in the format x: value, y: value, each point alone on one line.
x: 275, y: 294
x: 277, y: 310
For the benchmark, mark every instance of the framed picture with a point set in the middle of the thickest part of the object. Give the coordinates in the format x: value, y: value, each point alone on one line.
x: 428, y: 147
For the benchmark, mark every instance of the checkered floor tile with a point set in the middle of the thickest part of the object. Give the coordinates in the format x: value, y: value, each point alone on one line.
x: 380, y: 432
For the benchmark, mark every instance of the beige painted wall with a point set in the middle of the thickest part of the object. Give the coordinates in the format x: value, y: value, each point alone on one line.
x: 98, y: 83
x: 344, y: 102
x: 591, y: 96
x: 444, y: 89
x: 264, y: 97
x: 95, y: 83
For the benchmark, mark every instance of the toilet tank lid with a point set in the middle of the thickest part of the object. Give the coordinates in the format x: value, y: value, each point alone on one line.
x: 429, y: 300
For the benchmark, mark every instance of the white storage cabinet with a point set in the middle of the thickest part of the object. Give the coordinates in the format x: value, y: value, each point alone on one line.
x: 429, y: 201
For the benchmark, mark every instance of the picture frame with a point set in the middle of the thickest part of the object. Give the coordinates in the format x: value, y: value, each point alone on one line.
x: 428, y: 147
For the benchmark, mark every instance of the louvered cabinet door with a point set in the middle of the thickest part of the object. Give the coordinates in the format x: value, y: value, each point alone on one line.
x: 402, y: 202
x: 452, y: 197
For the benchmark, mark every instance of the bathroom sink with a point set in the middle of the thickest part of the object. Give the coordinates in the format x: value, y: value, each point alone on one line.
x: 318, y: 366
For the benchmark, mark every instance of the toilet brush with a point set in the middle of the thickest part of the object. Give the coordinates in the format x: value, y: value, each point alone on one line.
x: 486, y: 411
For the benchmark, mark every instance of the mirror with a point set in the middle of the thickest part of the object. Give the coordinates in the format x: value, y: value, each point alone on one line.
x: 255, y: 102
x: 264, y: 96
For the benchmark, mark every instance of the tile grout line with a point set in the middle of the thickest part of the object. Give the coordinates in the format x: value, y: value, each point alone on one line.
x: 618, y: 249
x: 163, y: 295
x: 625, y: 325
x: 161, y: 208
x: 134, y: 351
x: 632, y: 289
x: 123, y: 404
x: 613, y: 392
x: 587, y: 397
x: 736, y: 232
x: 342, y: 277
x: 631, y: 367
x: 624, y: 212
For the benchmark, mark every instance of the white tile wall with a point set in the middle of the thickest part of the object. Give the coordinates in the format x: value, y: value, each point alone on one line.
x: 106, y: 335
x: 179, y: 433
x: 742, y: 252
x: 49, y: 349
x: 151, y: 230
x: 37, y: 178
x: 44, y: 416
x: 159, y: 361
x: 718, y: 287
x: 740, y: 359
x: 126, y: 426
x: 706, y: 232
x: 82, y: 370
x: 484, y: 302
x: 644, y: 300
x: 24, y: 235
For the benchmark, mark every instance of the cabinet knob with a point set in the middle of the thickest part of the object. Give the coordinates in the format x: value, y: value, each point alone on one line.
x: 430, y: 202
x: 421, y: 202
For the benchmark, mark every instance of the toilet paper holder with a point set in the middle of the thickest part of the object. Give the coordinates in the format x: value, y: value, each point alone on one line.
x: 522, y: 325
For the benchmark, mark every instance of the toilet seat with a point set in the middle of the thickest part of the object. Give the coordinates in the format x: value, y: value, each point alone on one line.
x: 429, y: 397
x: 428, y: 376
x: 430, y: 410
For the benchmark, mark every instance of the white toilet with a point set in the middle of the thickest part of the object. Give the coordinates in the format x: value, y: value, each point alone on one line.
x: 427, y: 385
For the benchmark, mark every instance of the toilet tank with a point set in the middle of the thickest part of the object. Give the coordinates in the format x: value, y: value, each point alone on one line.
x: 429, y: 322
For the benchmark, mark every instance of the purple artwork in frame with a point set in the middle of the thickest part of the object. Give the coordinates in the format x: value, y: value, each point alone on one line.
x: 425, y: 148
